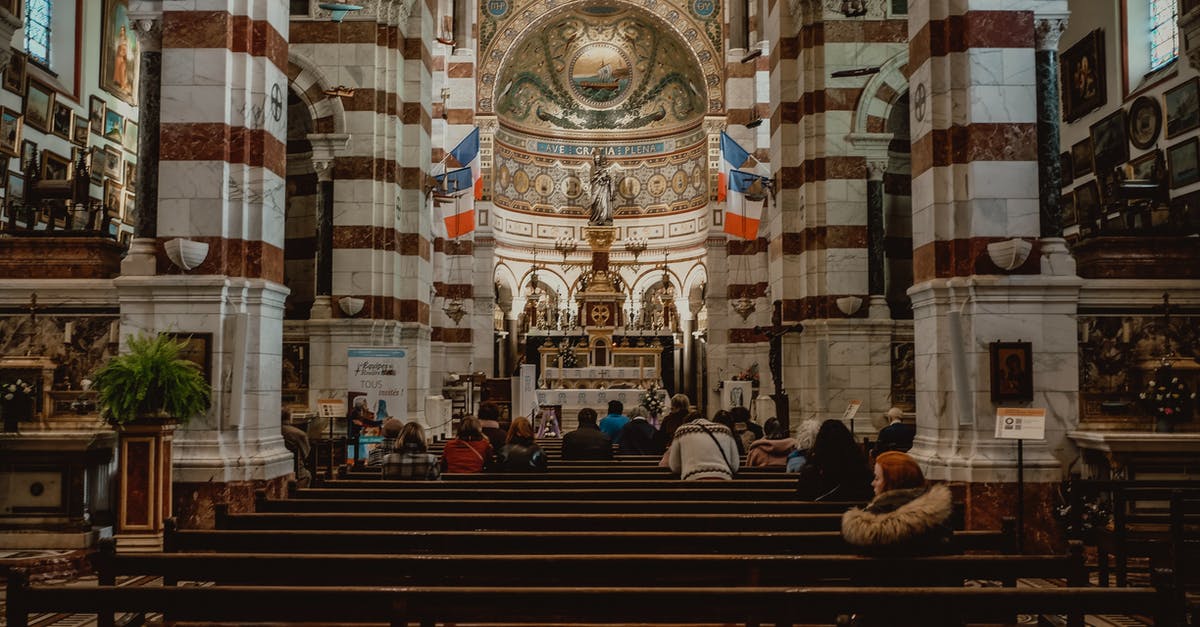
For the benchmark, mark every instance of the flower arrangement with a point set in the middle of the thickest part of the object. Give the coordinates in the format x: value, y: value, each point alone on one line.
x: 749, y: 374
x: 652, y: 401
x: 566, y: 356
x: 1166, y: 397
x: 17, y: 391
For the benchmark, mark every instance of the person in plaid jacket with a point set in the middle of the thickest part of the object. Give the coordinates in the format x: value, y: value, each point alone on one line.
x: 408, y: 458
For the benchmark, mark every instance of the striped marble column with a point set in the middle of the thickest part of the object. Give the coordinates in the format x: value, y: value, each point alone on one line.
x: 973, y: 121
x: 221, y: 172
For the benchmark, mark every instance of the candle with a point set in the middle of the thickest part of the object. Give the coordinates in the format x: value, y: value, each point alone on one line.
x: 68, y: 331
x: 1127, y: 331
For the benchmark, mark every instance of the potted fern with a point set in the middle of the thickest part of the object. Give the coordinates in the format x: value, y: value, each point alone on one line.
x: 145, y: 393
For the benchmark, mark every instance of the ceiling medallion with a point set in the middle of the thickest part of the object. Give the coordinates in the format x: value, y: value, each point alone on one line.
x: 600, y: 75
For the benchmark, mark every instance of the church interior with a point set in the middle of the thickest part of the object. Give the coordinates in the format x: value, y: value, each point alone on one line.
x: 977, y: 218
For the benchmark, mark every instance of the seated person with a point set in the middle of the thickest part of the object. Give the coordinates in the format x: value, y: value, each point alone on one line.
x: 638, y: 436
x: 836, y: 469
x: 703, y: 450
x: 588, y: 441
x: 897, y: 435
x: 906, y: 517
x: 409, y: 459
x: 774, y: 448
x: 469, y: 451
x: 489, y: 417
x: 744, y: 427
x: 612, y: 424
x: 520, y: 453
x: 391, y: 430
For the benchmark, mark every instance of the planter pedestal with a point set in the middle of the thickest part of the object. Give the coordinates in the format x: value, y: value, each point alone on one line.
x: 144, y: 477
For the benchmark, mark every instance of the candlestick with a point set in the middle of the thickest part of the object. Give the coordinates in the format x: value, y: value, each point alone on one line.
x: 68, y: 331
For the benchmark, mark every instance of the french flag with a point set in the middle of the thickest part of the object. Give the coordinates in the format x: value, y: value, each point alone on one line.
x: 455, y: 203
x: 467, y: 155
x: 733, y: 156
x: 747, y: 196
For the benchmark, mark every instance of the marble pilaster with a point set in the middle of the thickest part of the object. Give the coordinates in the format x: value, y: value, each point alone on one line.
x: 876, y: 253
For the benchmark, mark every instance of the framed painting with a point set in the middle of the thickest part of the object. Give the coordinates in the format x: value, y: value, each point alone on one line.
x: 114, y: 126
x: 130, y: 174
x: 97, y: 111
x: 63, y: 118
x: 130, y: 137
x: 15, y: 184
x: 1069, y: 216
x: 1082, y: 71
x: 14, y: 74
x: 197, y: 348
x: 1012, y: 372
x: 10, y: 131
x: 112, y: 164
x: 1183, y: 163
x: 1144, y: 168
x: 114, y: 197
x: 736, y: 394
x: 1110, y: 146
x: 1067, y: 167
x: 55, y: 167
x: 39, y: 104
x: 1081, y: 158
x: 118, y: 52
x: 79, y: 130
x: 1145, y: 122
x: 1185, y: 211
x: 130, y: 204
x: 95, y: 161
x: 1183, y: 108
x: 1087, y: 204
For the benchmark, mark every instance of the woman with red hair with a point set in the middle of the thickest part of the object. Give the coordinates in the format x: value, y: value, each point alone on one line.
x: 906, y: 516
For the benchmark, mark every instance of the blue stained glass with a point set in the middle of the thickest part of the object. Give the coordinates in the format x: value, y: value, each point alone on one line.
x: 1164, y: 33
x: 37, y: 30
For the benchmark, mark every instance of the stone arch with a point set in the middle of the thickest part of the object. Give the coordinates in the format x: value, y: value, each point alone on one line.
x: 310, y: 84
x: 879, y: 94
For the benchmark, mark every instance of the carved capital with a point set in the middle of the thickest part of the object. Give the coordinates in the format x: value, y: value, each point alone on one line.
x: 1047, y: 30
x: 9, y: 24
x: 1189, y: 31
x: 876, y: 169
x: 326, y: 147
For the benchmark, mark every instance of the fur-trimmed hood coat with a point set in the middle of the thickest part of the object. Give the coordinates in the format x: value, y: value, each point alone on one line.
x: 902, y: 521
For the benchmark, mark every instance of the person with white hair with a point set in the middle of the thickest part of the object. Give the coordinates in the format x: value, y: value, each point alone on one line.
x: 897, y: 435
x: 806, y: 435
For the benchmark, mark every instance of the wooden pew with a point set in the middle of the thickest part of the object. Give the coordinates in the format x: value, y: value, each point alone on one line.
x: 582, y: 570
x: 1136, y: 531
x: 491, y: 482
x: 697, y: 605
x: 541, y: 543
x: 647, y: 471
x: 1185, y: 549
x: 549, y: 493
x: 544, y: 523
x: 484, y: 503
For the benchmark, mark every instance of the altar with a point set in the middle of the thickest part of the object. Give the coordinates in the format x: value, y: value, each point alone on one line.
x: 571, y: 401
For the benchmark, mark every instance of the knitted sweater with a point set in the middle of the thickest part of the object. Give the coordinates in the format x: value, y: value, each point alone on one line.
x: 694, y: 454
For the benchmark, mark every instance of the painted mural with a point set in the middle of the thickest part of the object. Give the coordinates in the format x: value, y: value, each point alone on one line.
x: 611, y: 70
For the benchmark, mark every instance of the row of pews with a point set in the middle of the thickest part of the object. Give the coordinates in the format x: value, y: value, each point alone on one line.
x: 589, y: 542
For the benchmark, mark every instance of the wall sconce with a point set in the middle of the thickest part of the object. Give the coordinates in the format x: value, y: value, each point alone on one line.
x: 185, y: 253
x: 1009, y: 254
x: 849, y: 305
x: 351, y: 305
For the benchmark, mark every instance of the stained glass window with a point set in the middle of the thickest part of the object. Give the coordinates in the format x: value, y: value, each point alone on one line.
x: 1164, y: 33
x: 37, y: 30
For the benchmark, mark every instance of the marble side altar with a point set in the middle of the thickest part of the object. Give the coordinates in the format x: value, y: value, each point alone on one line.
x: 1138, y: 454
x: 572, y: 401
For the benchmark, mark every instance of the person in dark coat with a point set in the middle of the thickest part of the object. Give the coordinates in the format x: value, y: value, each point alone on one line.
x: 680, y: 408
x: 588, y: 441
x: 836, y: 469
x: 489, y: 417
x: 638, y: 436
x: 520, y: 453
x: 897, y: 435
x: 724, y: 417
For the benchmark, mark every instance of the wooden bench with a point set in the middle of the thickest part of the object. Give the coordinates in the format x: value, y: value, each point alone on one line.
x: 579, y: 473
x: 541, y: 542
x: 546, y: 523
x: 598, y: 493
x: 477, y: 482
x: 401, y: 606
x: 1185, y: 550
x: 545, y: 503
x: 1140, y: 521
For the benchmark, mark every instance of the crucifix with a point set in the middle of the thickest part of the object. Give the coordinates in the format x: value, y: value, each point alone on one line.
x: 32, y: 308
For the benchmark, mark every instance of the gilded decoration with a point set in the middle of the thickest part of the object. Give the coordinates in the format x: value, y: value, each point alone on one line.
x: 599, y: 66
